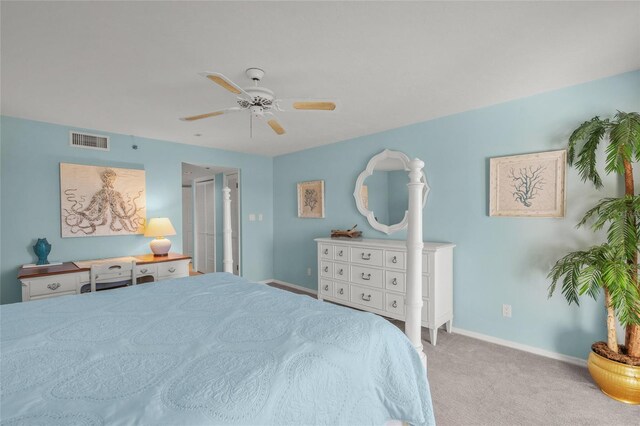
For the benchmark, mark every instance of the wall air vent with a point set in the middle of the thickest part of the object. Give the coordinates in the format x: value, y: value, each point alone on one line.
x: 86, y: 140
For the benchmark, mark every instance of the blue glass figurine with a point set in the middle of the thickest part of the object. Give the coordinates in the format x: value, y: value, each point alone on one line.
x: 42, y: 249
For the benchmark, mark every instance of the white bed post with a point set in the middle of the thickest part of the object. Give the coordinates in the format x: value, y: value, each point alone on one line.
x: 227, y: 259
x: 413, y: 302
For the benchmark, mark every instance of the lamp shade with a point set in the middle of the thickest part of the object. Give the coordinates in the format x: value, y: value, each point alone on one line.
x: 159, y: 227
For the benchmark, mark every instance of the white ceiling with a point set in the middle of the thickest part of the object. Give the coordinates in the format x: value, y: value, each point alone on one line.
x: 130, y: 67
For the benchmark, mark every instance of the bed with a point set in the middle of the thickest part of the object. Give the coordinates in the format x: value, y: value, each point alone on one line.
x: 209, y: 349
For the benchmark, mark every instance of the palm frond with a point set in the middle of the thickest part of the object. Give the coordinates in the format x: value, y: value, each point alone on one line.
x: 590, y: 133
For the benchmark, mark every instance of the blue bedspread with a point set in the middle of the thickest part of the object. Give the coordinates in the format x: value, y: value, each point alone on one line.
x: 211, y: 349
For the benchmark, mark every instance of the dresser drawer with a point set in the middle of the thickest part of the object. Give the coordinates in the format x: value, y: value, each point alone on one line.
x: 326, y: 269
x: 326, y: 287
x: 394, y: 304
x: 367, y: 297
x: 341, y: 291
x: 395, y: 281
x: 367, y: 276
x: 326, y: 251
x: 426, y: 286
x: 53, y: 285
x: 341, y: 253
x: 173, y: 269
x: 394, y: 259
x: 149, y: 269
x: 366, y: 256
x: 341, y: 271
x: 427, y: 261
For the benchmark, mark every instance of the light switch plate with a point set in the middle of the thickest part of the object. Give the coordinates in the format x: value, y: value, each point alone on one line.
x: 252, y: 217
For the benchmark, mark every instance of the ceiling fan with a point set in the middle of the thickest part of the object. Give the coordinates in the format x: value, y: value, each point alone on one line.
x: 260, y: 101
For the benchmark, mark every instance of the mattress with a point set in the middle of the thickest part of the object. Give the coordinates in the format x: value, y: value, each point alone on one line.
x: 210, y: 349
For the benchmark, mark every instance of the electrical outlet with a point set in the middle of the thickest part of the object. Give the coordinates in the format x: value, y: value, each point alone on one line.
x: 506, y: 311
x: 309, y: 271
x: 252, y: 217
x: 260, y: 217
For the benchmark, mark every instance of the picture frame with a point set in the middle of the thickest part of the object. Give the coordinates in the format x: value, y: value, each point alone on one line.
x: 101, y: 201
x: 311, y: 199
x: 528, y: 185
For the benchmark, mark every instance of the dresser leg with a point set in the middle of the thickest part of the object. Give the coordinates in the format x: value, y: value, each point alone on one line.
x: 447, y: 326
x: 433, y: 335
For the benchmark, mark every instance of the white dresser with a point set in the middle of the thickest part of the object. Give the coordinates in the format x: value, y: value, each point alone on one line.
x: 67, y: 278
x: 370, y: 274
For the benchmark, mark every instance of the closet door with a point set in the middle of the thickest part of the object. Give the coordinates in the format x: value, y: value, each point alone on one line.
x: 205, y: 227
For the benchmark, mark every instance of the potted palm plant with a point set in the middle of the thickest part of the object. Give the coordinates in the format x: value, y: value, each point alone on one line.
x: 611, y: 267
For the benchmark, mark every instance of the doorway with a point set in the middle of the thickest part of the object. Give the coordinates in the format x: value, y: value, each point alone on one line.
x: 202, y: 212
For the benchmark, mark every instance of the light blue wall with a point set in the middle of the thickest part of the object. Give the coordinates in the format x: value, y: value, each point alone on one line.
x: 30, y: 155
x: 497, y: 260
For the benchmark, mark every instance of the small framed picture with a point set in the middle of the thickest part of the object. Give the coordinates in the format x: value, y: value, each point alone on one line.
x: 530, y: 185
x: 311, y: 199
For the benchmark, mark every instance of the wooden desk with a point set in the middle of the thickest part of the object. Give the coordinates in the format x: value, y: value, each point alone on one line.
x: 50, y: 281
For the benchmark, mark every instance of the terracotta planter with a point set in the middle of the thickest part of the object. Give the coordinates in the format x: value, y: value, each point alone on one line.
x: 618, y: 381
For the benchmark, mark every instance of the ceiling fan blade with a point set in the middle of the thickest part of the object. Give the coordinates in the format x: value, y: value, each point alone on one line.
x: 277, y: 127
x: 211, y: 114
x: 307, y: 104
x: 225, y: 83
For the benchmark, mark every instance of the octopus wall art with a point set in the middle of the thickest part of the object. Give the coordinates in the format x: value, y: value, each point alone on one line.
x: 99, y: 201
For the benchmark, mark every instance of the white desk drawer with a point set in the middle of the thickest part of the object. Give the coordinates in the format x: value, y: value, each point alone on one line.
x: 395, y: 281
x: 341, y: 291
x: 326, y: 287
x: 367, y: 297
x: 394, y: 259
x: 148, y: 269
x: 341, y: 253
x: 326, y: 269
x: 53, y: 284
x: 394, y: 304
x: 366, y: 256
x: 326, y: 251
x: 173, y: 269
x: 341, y: 271
x: 367, y: 276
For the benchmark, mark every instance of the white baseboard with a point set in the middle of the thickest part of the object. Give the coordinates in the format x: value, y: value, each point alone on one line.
x: 526, y: 348
x: 286, y: 284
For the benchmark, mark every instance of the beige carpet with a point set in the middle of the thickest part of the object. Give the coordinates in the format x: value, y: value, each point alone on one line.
x: 477, y: 383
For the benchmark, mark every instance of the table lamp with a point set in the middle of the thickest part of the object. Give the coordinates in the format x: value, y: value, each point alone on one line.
x: 159, y: 227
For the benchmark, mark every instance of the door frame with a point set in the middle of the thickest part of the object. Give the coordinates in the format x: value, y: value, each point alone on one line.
x: 225, y: 184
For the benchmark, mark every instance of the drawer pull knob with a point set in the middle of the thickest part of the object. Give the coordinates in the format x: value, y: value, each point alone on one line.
x: 326, y: 287
x: 394, y: 281
x: 326, y: 269
x: 341, y: 272
x: 367, y: 298
x: 326, y: 251
x: 394, y: 260
x: 340, y: 254
x: 172, y: 269
x: 367, y: 257
x: 366, y: 277
x: 53, y: 286
x: 143, y: 271
x: 394, y: 304
x: 341, y: 291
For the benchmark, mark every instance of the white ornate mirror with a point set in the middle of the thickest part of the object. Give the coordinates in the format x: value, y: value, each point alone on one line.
x: 381, y: 191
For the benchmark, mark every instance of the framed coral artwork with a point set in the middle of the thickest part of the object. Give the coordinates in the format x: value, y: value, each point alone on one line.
x: 96, y: 201
x: 531, y: 185
x: 311, y: 199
